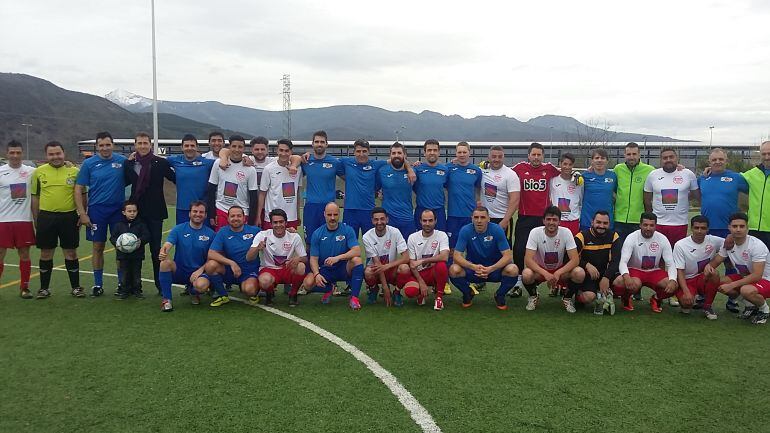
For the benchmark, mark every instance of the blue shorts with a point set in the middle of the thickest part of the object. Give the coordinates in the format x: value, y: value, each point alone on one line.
x: 494, y: 277
x: 229, y: 278
x: 440, y: 218
x: 101, y: 218
x: 406, y: 227
x: 358, y: 219
x: 453, y: 226
x: 338, y: 272
x: 182, y: 275
x: 722, y: 233
x: 312, y: 218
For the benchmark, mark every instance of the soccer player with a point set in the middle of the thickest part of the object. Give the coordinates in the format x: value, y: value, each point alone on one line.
x: 719, y: 193
x: 16, y: 228
x: 227, y: 263
x: 546, y: 248
x: 691, y: 255
x: 145, y: 172
x: 629, y: 199
x: 428, y: 253
x: 393, y: 181
x: 321, y: 172
x: 429, y: 188
x: 192, y: 240
x: 501, y: 191
x: 387, y: 258
x: 640, y: 265
x: 283, y: 258
x: 216, y: 143
x: 279, y: 188
x: 360, y: 174
x: 488, y: 257
x: 192, y: 173
x: 758, y: 179
x: 235, y: 186
x: 566, y: 193
x: 462, y: 192
x: 667, y: 192
x: 751, y: 285
x: 103, y: 175
x: 599, y: 249
x: 56, y: 217
x: 335, y: 256
x: 599, y: 186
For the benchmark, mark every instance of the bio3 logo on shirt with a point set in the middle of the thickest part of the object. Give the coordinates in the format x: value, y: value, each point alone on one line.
x: 534, y: 184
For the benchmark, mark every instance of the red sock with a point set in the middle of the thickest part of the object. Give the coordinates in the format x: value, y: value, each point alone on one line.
x: 25, y: 268
x: 710, y: 290
x: 296, y: 283
x: 441, y: 274
x: 619, y: 291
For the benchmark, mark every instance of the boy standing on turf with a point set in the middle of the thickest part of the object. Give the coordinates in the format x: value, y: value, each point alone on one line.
x: 130, y: 264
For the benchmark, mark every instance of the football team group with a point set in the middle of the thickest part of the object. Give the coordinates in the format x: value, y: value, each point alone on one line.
x: 590, y: 237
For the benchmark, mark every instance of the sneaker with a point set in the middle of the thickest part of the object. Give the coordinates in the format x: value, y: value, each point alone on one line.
x: 371, y: 297
x: 327, y: 297
x: 467, y: 304
x: 219, y: 301
x: 732, y: 306
x: 43, y: 293
x: 121, y: 296
x: 398, y: 301
x: 78, y: 292
x: 710, y: 313
x: 302, y: 291
x: 760, y: 318
x: 336, y: 290
x: 139, y: 294
x: 229, y: 288
x: 254, y: 300
x: 599, y: 307
x: 655, y: 305
x: 748, y: 312
x: 438, y: 305
x: 699, y: 300
x: 447, y: 289
x: 499, y: 301
x: 420, y: 300
x: 185, y: 291
x: 673, y: 301
x: 515, y: 292
x: 532, y: 302
x: 609, y: 305
x: 628, y: 303
x: 269, y: 296
x: 293, y: 301
x: 476, y: 288
x: 354, y: 303
x: 195, y: 299
x: 97, y: 291
x: 685, y: 311
x: 165, y: 306
x: 569, y: 305
x: 118, y: 291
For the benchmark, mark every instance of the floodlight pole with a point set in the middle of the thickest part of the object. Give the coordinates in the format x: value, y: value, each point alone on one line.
x: 26, y: 145
x: 711, y: 135
x: 154, y: 87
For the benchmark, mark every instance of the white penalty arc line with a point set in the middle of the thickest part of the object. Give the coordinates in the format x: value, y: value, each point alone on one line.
x: 417, y: 411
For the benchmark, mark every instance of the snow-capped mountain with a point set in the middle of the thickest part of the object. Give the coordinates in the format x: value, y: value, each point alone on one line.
x: 127, y: 99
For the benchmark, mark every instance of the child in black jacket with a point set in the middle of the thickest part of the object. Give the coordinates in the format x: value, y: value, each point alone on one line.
x: 130, y: 264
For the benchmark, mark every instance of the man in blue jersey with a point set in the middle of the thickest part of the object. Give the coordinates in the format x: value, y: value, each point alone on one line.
x: 393, y: 181
x: 192, y: 240
x: 321, y: 171
x: 719, y: 193
x: 335, y: 256
x: 488, y: 258
x: 102, y: 175
x: 192, y: 174
x: 599, y: 187
x: 227, y: 262
x: 359, y: 173
x: 463, y: 192
x: 429, y: 188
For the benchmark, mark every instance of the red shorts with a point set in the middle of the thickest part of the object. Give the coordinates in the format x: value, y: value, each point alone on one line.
x: 763, y: 286
x: 649, y: 278
x: 573, y: 226
x: 17, y: 234
x: 280, y: 276
x: 390, y: 277
x: 697, y: 285
x: 221, y: 220
x: 539, y: 278
x: 435, y: 276
x: 674, y: 234
x: 266, y: 225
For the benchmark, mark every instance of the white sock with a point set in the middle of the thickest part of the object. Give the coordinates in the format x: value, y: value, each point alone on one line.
x: 764, y: 308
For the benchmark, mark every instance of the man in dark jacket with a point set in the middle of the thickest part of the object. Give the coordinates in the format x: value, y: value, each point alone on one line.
x: 145, y: 172
x: 130, y: 263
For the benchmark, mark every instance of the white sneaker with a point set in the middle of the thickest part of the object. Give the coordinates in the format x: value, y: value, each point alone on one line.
x: 302, y: 291
x: 532, y: 302
x: 165, y: 306
x: 569, y: 305
x: 438, y: 305
x: 673, y: 301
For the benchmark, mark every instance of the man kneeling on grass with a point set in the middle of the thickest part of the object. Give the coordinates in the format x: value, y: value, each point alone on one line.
x: 283, y: 258
x: 227, y: 257
x: 387, y: 258
x: 599, y: 249
x: 544, y: 257
x: 488, y: 258
x: 428, y: 253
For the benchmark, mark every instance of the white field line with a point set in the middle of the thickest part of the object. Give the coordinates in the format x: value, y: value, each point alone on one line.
x: 418, y: 413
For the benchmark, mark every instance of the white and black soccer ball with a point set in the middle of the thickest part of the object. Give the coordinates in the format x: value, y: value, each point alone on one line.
x: 127, y: 243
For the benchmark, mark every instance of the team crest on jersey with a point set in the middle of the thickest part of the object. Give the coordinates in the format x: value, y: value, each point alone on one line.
x: 608, y: 180
x: 745, y: 255
x: 388, y: 243
x: 433, y: 245
x: 571, y: 188
x: 556, y: 243
x: 70, y: 181
x: 488, y: 238
x: 326, y: 165
x: 543, y: 173
x: 678, y: 180
x: 470, y: 171
x: 248, y: 236
x: 654, y: 247
x: 241, y: 176
x: 366, y: 168
x: 405, y: 176
x: 497, y: 178
x: 24, y: 174
x: 203, y: 238
x: 340, y: 238
x: 117, y: 165
x: 197, y: 163
x: 638, y: 180
x: 725, y: 179
x: 286, y: 245
x: 440, y: 172
x: 709, y: 249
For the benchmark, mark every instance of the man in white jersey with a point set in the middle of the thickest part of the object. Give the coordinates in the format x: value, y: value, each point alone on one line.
x: 667, y: 194
x: 640, y: 265
x: 566, y: 193
x: 691, y: 255
x: 500, y: 191
x: 216, y: 143
x: 749, y: 255
x: 544, y: 257
x: 235, y: 186
x: 387, y: 258
x: 16, y: 229
x: 428, y: 253
x: 279, y: 189
x: 284, y: 258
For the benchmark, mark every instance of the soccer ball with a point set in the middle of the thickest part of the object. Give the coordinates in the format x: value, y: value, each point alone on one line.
x: 127, y: 243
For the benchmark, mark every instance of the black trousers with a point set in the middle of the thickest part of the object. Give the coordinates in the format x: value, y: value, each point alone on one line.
x: 131, y: 276
x: 524, y: 225
x: 156, y: 236
x: 762, y: 236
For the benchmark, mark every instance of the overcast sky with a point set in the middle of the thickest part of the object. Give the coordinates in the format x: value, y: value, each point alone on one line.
x: 664, y: 67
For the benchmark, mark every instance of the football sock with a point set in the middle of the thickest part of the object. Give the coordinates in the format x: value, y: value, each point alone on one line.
x: 46, y: 267
x: 356, y: 277
x: 531, y: 289
x: 462, y: 284
x: 441, y: 274
x: 25, y: 268
x: 217, y: 283
x: 73, y: 272
x: 506, y: 284
x: 764, y: 308
x: 99, y: 278
x: 164, y: 278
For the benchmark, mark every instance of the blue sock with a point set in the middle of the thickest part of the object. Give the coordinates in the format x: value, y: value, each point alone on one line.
x: 164, y: 278
x: 356, y: 278
x: 464, y: 286
x: 506, y: 284
x: 99, y: 277
x: 217, y: 283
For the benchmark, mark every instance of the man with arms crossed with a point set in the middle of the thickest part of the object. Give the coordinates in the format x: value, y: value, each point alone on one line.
x: 386, y: 256
x: 428, y: 253
x: 691, y: 255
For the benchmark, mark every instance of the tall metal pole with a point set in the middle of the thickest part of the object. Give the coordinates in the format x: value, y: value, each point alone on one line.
x: 711, y: 135
x: 26, y: 145
x: 154, y: 87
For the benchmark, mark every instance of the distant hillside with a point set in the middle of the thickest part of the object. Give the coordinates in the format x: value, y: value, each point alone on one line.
x: 67, y: 116
x: 348, y: 122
